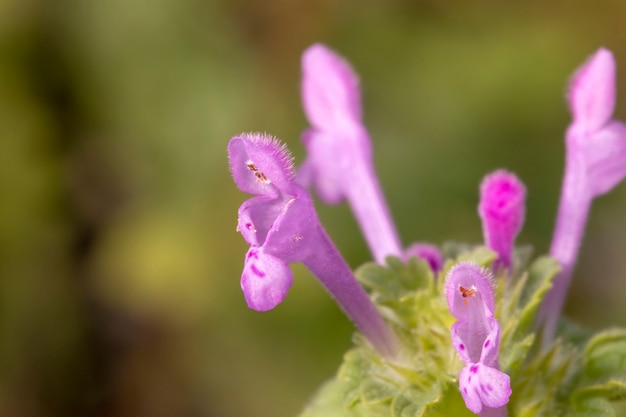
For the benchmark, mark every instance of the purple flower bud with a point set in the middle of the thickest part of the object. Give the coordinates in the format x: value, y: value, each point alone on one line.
x: 339, y: 162
x: 427, y: 252
x: 501, y: 209
x: 282, y: 227
x: 595, y: 163
x: 476, y: 338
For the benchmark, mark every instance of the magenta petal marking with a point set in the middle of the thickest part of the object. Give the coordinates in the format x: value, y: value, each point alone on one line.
x: 484, y: 386
x: 257, y: 271
x: 264, y: 293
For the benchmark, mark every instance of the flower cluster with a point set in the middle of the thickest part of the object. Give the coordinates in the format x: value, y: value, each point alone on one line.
x: 497, y: 312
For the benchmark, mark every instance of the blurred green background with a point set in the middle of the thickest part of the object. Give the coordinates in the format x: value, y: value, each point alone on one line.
x: 119, y: 260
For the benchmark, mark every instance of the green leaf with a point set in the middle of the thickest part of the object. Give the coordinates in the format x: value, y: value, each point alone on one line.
x: 563, y: 380
x: 397, y: 279
x: 540, y: 274
x: 605, y: 355
x: 513, y: 355
x: 404, y: 406
x: 412, y: 402
x: 449, y: 403
x: 352, y: 372
x: 613, y: 390
x: 522, y: 257
x: 540, y: 277
x: 481, y: 255
x: 593, y: 407
x: 457, y: 252
x: 374, y: 391
x: 327, y: 402
x: 520, y: 312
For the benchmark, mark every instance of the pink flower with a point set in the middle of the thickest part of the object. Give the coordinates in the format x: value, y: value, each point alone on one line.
x: 595, y: 163
x: 339, y: 150
x: 282, y: 227
x: 476, y: 338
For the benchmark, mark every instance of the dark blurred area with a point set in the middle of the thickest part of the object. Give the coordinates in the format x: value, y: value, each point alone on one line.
x: 119, y: 259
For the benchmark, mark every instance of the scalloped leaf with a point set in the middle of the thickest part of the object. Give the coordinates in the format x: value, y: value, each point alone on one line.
x: 540, y: 276
x: 412, y: 402
x: 594, y: 407
x: 612, y: 390
x: 375, y: 391
x: 480, y: 255
x: 541, y: 271
x: 397, y: 279
x: 328, y: 402
x: 605, y: 355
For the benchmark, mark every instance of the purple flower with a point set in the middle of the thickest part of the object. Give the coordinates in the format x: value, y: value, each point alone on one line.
x: 339, y: 162
x: 501, y: 209
x: 427, y: 252
x: 595, y: 163
x: 476, y: 338
x: 282, y: 227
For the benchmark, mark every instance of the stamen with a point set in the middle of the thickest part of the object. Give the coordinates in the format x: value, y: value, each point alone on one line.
x: 465, y: 293
x: 260, y: 176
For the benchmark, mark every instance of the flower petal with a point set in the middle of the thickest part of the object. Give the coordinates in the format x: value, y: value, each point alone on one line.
x: 296, y: 232
x: 257, y: 216
x: 330, y: 89
x: 265, y: 280
x: 605, y: 157
x: 469, y: 291
x: 323, y: 165
x: 592, y: 91
x: 482, y: 385
x: 260, y: 164
x: 477, y: 340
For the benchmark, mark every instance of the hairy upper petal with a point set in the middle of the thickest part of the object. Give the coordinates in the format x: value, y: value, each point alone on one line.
x: 469, y: 291
x: 260, y: 164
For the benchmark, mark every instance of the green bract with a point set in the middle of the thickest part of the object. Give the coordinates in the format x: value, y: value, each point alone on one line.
x: 578, y: 375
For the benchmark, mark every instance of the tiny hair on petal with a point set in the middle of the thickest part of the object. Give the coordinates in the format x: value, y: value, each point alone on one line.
x: 281, y: 151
